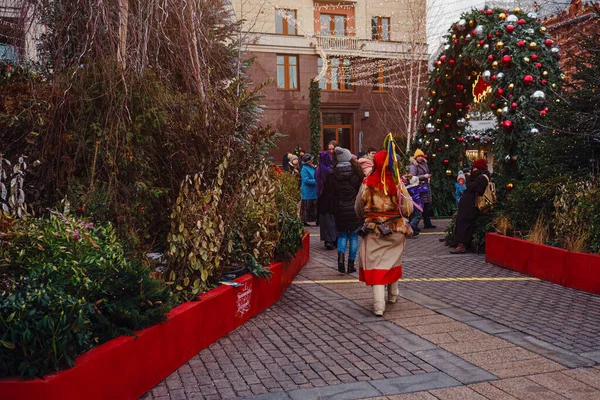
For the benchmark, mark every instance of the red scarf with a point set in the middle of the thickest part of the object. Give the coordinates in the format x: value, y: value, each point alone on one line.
x: 374, y: 180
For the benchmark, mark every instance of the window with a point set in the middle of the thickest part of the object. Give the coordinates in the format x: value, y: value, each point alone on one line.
x: 287, y: 72
x: 381, y: 78
x: 380, y: 28
x: 8, y: 53
x: 285, y: 21
x: 333, y: 25
x: 338, y: 76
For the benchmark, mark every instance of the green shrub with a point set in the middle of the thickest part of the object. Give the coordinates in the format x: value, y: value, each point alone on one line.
x: 289, y: 224
x: 79, y: 275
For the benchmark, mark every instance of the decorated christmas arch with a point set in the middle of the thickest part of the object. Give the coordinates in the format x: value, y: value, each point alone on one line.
x: 505, y: 59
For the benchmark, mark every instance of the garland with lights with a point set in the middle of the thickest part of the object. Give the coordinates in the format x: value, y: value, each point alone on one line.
x: 507, y: 55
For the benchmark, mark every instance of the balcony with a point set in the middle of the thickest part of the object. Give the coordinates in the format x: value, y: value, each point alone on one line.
x: 352, y: 46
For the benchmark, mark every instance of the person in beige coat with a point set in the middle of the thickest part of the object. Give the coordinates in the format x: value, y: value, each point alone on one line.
x: 384, y: 234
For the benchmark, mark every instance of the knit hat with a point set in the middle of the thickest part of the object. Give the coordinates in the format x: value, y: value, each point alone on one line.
x: 461, y: 175
x: 307, y: 158
x: 343, y: 155
x: 480, y: 164
x: 418, y: 153
x: 414, y: 181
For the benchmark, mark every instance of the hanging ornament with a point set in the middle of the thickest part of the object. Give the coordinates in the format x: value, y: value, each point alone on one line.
x: 460, y: 140
x: 432, y: 92
x: 487, y: 76
x: 447, y: 126
x: 545, y: 74
x: 521, y: 43
x: 495, y: 65
x: 507, y: 159
x: 443, y: 59
x: 490, y: 58
x: 526, y: 59
x: 509, y: 187
x: 449, y: 115
x: 440, y: 101
x: 532, y: 15
x: 543, y: 113
x: 499, y: 45
x: 430, y: 128
x: 486, y: 46
x: 437, y: 80
x: 468, y: 117
x: 479, y: 30
x: 534, y: 57
x: 517, y: 10
x: 506, y: 60
x: 448, y: 172
x: 499, y: 92
x: 500, y: 76
x: 502, y: 16
x: 458, y: 104
x: 521, y: 22
x: 511, y: 19
x: 499, y: 112
x: 532, y: 46
x: 446, y: 146
x: 476, y: 137
x: 510, y: 28
x: 528, y: 80
x: 504, y: 111
x: 446, y: 161
x: 549, y: 42
x: 511, y: 86
x: 555, y: 52
x: 468, y: 38
x: 459, y: 87
x: 427, y: 143
x: 461, y: 122
x: 529, y: 31
x: 436, y: 140
x: 538, y: 65
x: 452, y: 62
x: 514, y: 105
x: 433, y: 155
x: 462, y: 25
x: 488, y: 12
x: 507, y: 125
x: 432, y: 110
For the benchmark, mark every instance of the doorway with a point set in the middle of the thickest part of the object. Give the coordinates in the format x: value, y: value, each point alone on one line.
x: 338, y: 127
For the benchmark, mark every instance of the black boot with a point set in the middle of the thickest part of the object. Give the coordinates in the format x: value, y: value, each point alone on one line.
x: 351, y: 268
x: 341, y: 266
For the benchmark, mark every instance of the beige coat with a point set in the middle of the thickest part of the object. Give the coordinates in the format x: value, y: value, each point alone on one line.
x: 380, y: 256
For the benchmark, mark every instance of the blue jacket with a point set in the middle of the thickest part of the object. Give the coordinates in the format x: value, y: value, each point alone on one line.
x: 309, y: 183
x: 416, y: 192
x: 458, y: 191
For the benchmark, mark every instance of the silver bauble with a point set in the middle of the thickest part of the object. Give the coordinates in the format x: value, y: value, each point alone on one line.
x: 461, y: 122
x: 555, y: 52
x: 532, y: 15
x: 539, y: 96
x: 486, y: 46
x: 534, y: 131
x: 511, y: 19
x: 505, y: 111
x: 440, y: 101
x: 479, y: 30
x: 420, y: 140
x: 436, y: 140
x: 486, y: 76
x: 500, y: 76
x: 462, y: 24
x: 446, y: 47
x: 529, y: 31
x: 507, y: 159
x: 430, y: 128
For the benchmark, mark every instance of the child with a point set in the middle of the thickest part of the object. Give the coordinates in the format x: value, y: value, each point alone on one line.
x: 415, y: 189
x: 459, y: 186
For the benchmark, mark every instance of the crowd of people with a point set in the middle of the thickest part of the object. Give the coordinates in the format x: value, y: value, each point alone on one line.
x: 349, y: 196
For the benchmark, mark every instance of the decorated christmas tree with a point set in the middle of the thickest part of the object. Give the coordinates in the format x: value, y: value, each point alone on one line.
x: 507, y: 55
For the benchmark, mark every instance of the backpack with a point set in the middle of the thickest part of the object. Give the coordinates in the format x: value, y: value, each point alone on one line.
x: 486, y: 201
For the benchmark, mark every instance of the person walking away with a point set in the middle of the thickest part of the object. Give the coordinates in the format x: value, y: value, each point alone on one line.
x: 308, y: 190
x: 347, y: 178
x: 366, y: 161
x: 415, y: 189
x: 418, y: 167
x: 460, y: 186
x: 385, y: 232
x: 467, y: 210
x: 326, y: 200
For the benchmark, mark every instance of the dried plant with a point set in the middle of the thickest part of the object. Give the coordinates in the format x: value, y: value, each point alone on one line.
x: 503, y: 224
x: 539, y: 233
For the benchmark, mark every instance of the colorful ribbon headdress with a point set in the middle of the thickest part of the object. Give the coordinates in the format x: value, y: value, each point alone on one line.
x: 391, y: 161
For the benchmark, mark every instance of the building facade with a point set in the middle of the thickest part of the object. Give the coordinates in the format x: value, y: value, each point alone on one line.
x: 370, y: 61
x: 18, y: 33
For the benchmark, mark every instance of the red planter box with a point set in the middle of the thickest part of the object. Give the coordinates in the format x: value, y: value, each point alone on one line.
x: 574, y: 270
x: 127, y: 367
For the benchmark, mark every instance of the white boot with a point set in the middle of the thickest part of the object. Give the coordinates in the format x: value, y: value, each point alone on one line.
x: 392, y: 292
x: 379, y: 299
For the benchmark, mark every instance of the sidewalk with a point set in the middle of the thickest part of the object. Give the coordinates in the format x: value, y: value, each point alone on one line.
x: 462, y: 329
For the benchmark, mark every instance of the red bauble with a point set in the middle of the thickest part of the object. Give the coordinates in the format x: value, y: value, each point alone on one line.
x: 506, y: 60
x: 456, y: 42
x: 481, y: 42
x: 549, y: 42
x: 538, y: 65
x: 510, y: 28
x: 459, y: 87
x: 543, y: 113
x: 446, y: 161
x: 446, y: 126
x: 488, y: 12
x: 473, y: 33
x: 437, y: 80
x: 452, y: 62
x: 534, y: 57
x: 498, y: 34
x: 443, y: 58
x: 432, y: 110
x: 460, y: 140
x: 468, y: 106
x: 490, y: 58
x: 422, y: 128
x: 494, y: 77
x: 458, y: 105
x: 477, y: 138
x: 528, y: 80
x: 544, y: 81
x: 467, y: 38
x: 521, y: 43
x: 521, y: 21
x: 439, y: 149
x: 514, y: 106
x: 490, y: 36
x: 507, y: 125
x: 499, y: 92
x: 493, y: 106
x: 414, y: 111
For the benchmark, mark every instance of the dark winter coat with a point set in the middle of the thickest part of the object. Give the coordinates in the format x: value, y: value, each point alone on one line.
x: 326, y: 202
x: 420, y: 169
x: 467, y: 211
x: 346, y: 183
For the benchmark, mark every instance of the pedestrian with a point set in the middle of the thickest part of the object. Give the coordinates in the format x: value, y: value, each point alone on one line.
x: 301, y: 154
x: 308, y: 190
x: 416, y: 190
x: 418, y: 167
x: 467, y: 210
x: 285, y: 163
x: 347, y: 178
x: 366, y: 161
x: 384, y: 233
x: 293, y: 164
x: 460, y: 186
x: 326, y: 200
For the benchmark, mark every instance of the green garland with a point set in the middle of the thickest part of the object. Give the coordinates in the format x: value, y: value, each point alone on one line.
x: 510, y: 51
x: 315, y: 117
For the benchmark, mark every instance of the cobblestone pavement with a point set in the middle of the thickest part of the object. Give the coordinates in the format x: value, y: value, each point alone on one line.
x: 462, y: 329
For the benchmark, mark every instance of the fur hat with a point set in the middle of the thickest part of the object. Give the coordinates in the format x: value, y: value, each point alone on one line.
x: 307, y: 158
x: 418, y: 153
x: 480, y: 164
x: 414, y: 181
x: 461, y: 175
x: 343, y: 155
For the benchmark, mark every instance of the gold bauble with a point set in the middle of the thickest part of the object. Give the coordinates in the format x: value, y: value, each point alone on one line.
x: 526, y: 59
x: 467, y: 117
x: 427, y: 143
x: 532, y: 45
x: 424, y: 113
x: 471, y: 23
x: 453, y: 36
x: 433, y: 155
x: 474, y: 73
x: 448, y: 172
x: 495, y: 65
x: 449, y: 115
x: 511, y: 86
x: 433, y: 92
x: 502, y: 16
x: 438, y: 121
x: 545, y: 74
x: 446, y: 146
x: 543, y: 29
x: 554, y: 85
x: 499, y: 111
x: 499, y: 45
x: 517, y: 10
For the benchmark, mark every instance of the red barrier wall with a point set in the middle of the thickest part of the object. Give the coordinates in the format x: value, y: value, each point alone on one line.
x: 127, y: 367
x: 574, y: 270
